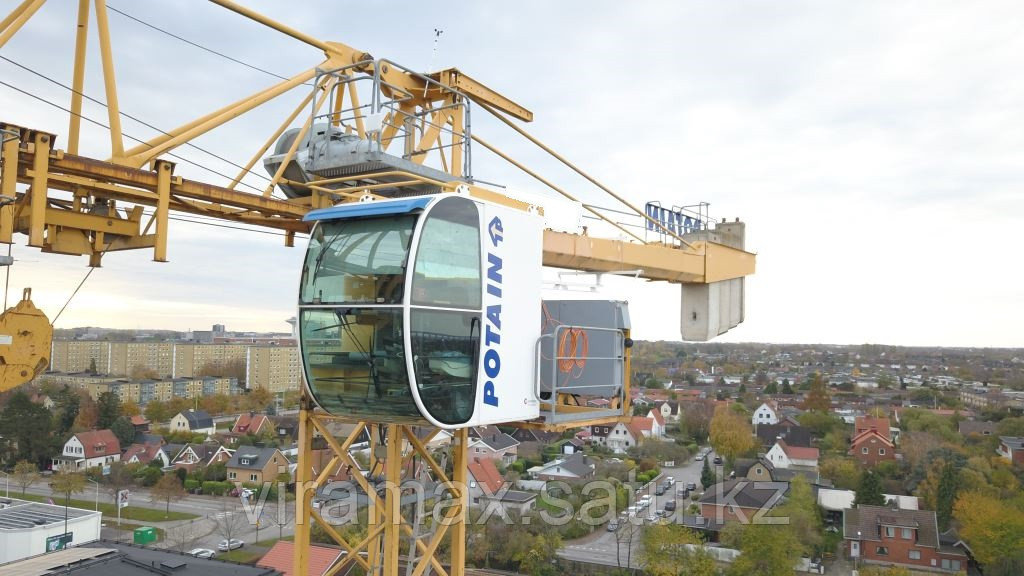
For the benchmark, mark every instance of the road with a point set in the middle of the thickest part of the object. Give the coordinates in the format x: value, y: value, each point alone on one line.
x: 613, y: 548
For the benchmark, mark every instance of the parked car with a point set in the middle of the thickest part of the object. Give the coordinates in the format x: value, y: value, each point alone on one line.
x: 659, y: 490
x: 691, y: 486
x: 670, y: 480
x: 718, y: 460
x: 683, y: 492
x: 232, y: 544
x: 613, y: 525
x: 652, y: 518
x: 202, y: 553
x: 698, y: 457
x: 670, y: 506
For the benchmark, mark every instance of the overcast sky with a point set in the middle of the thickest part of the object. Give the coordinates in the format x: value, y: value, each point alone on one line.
x: 875, y: 149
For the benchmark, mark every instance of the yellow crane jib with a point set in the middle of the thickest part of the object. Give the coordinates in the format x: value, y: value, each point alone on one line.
x: 25, y: 336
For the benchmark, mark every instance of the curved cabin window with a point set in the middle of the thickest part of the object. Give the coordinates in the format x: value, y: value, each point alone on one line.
x: 447, y: 271
x: 354, y: 361
x: 445, y: 342
x: 357, y: 261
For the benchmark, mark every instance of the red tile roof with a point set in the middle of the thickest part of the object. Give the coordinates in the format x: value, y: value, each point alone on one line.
x: 249, y: 423
x: 145, y: 452
x: 863, y: 423
x: 282, y: 557
x: 798, y: 452
x: 139, y: 420
x: 869, y: 433
x: 486, y: 473
x: 98, y: 443
x: 656, y: 414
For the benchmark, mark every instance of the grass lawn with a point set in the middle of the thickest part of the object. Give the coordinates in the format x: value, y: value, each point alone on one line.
x: 110, y: 511
x: 244, y: 555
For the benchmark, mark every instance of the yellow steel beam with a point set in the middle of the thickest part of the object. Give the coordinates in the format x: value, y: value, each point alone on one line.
x: 13, y: 22
x: 39, y: 189
x: 273, y: 138
x: 8, y: 179
x: 78, y: 80
x: 109, y: 81
x: 393, y: 491
x: 479, y: 93
x: 303, y: 496
x: 460, y: 473
x: 327, y: 86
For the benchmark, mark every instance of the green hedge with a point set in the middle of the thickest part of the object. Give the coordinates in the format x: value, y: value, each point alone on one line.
x: 217, y: 488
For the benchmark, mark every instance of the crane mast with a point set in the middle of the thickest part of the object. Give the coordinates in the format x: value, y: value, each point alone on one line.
x: 365, y: 131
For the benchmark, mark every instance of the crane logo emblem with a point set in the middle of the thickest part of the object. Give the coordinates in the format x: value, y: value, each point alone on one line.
x: 492, y: 336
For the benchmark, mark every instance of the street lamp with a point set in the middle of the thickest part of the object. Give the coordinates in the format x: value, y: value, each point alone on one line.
x: 97, y: 508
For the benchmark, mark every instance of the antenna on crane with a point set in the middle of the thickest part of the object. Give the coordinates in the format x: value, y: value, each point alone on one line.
x: 433, y: 54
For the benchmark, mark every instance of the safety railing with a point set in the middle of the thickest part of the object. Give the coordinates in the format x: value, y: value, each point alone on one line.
x: 552, y: 415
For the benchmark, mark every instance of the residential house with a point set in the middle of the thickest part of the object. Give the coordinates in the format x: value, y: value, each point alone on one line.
x: 254, y: 465
x: 975, y: 428
x: 871, y: 447
x: 881, y: 425
x: 658, y: 427
x: 622, y: 437
x: 281, y: 558
x: 570, y: 468
x: 765, y: 414
x: 200, y: 455
x: 669, y: 411
x: 599, y: 434
x: 140, y: 424
x: 512, y: 500
x: 533, y: 442
x: 740, y: 500
x: 195, y: 421
x: 646, y: 427
x: 87, y: 450
x: 793, y: 435
x: 146, y: 453
x: 759, y: 470
x: 484, y: 479
x: 1011, y: 448
x: 891, y: 536
x: 782, y: 455
x: 498, y: 446
x: 252, y: 424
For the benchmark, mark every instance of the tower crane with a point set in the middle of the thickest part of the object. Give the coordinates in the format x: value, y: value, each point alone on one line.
x: 420, y: 298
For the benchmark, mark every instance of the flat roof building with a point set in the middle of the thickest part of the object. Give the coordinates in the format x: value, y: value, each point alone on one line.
x: 32, y: 528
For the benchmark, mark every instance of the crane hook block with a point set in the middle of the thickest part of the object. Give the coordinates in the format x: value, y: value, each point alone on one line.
x: 25, y: 336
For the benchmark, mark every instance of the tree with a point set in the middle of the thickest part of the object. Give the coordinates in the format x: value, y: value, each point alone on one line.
x: 157, y: 411
x: 109, y: 406
x: 870, y: 490
x: 65, y: 410
x: 183, y: 537
x: 166, y: 489
x: 230, y: 523
x: 766, y: 550
x: 129, y: 408
x: 673, y: 550
x: 992, y: 527
x: 946, y: 497
x: 124, y: 430
x: 817, y: 398
x: 142, y: 372
x: 772, y: 388
x: 731, y: 435
x: 707, y: 476
x: 843, y: 472
x: 67, y: 484
x: 26, y: 426
x: 787, y: 388
x: 25, y: 474
x: 88, y: 413
x: 802, y: 510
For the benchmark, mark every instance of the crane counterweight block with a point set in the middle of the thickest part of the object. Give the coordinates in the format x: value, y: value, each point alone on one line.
x: 25, y: 335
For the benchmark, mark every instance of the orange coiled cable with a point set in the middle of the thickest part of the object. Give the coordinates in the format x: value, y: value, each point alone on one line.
x: 573, y: 348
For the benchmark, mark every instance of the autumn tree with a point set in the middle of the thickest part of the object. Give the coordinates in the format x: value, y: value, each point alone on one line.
x: 129, y: 408
x: 673, y: 550
x: 25, y: 474
x: 766, y: 550
x: 142, y: 372
x: 88, y: 413
x: 817, y: 398
x: 802, y: 510
x: 67, y: 484
x: 166, y: 489
x: 992, y: 527
x: 731, y: 434
x: 870, y: 490
x: 157, y: 412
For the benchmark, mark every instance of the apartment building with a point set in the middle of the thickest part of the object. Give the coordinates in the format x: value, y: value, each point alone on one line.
x: 143, y: 392
x: 273, y: 367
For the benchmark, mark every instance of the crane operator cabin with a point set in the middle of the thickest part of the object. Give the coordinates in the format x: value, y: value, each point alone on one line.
x: 423, y: 310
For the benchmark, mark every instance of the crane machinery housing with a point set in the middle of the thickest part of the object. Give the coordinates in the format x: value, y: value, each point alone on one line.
x: 420, y: 294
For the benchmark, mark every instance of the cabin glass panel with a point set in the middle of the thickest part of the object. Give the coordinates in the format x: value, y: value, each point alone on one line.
x: 354, y: 361
x: 357, y: 261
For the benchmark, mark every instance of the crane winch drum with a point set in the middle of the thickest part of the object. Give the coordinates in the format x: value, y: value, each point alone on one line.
x: 422, y: 310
